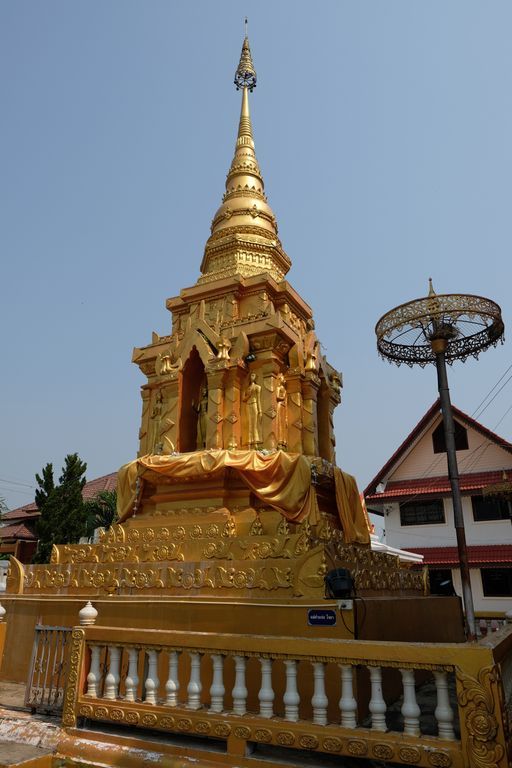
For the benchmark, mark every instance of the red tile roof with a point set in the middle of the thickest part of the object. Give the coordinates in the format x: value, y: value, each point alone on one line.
x: 104, y: 483
x: 418, y: 430
x: 26, y: 512
x: 19, y: 531
x: 479, y: 555
x: 435, y: 486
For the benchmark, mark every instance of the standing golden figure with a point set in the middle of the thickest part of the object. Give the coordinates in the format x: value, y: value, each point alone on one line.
x: 281, y: 412
x: 202, y: 416
x: 252, y: 400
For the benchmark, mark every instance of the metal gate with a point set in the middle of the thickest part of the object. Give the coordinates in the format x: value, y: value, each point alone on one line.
x: 48, y: 669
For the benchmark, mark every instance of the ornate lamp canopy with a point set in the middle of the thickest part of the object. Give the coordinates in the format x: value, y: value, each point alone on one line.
x: 439, y: 330
x: 501, y: 490
x: 461, y: 325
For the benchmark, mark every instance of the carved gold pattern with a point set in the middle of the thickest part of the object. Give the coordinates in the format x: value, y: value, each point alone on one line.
x: 263, y: 735
x: 308, y: 741
x: 409, y: 755
x: 75, y: 664
x: 440, y: 759
x: 357, y: 747
x: 222, y: 729
x: 475, y: 697
x: 242, y: 732
x: 167, y: 722
x: 382, y: 751
x: 332, y: 744
x: 286, y: 738
x: 148, y: 720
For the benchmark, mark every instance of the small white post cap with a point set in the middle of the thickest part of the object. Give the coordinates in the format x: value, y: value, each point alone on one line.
x: 88, y: 614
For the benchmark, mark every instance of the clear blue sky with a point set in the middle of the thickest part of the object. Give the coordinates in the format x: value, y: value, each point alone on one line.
x: 383, y: 130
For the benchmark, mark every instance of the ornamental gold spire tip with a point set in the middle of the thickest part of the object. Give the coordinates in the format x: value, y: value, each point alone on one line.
x: 245, y: 75
x: 244, y: 213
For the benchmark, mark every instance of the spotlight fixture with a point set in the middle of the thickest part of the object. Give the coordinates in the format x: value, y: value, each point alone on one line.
x: 339, y: 584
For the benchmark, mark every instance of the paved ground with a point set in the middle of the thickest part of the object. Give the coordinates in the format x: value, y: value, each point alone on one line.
x: 12, y: 754
x: 12, y: 695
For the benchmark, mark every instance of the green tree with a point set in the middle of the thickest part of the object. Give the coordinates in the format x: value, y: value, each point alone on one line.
x: 101, y: 511
x: 63, y: 519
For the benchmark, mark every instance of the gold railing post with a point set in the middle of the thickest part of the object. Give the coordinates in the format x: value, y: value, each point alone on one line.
x: 482, y: 713
x: 76, y: 677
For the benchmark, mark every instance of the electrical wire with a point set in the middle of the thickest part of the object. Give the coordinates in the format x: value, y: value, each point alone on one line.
x: 473, y: 415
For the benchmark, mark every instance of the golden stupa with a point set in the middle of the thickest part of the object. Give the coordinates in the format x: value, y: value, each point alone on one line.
x: 211, y: 623
x: 235, y: 496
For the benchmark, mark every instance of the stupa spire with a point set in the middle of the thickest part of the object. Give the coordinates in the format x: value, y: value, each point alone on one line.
x: 245, y: 212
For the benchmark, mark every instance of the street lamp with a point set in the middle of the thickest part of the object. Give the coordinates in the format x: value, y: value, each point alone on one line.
x: 441, y: 329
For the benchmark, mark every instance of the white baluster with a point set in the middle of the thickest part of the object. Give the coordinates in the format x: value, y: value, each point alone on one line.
x: 319, y: 700
x: 291, y: 697
x: 443, y: 711
x: 94, y: 676
x: 348, y: 705
x: 217, y: 687
x: 266, y: 694
x: 239, y: 691
x: 172, y: 685
x: 132, y: 679
x: 410, y: 709
x: 194, y: 687
x: 112, y: 678
x: 377, y: 704
x: 152, y: 682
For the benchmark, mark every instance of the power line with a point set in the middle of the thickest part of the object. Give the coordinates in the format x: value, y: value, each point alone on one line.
x: 16, y: 482
x: 494, y: 396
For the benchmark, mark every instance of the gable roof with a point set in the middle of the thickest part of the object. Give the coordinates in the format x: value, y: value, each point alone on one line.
x: 479, y: 555
x: 471, y: 483
x: 91, y: 489
x: 17, y: 531
x: 423, y: 424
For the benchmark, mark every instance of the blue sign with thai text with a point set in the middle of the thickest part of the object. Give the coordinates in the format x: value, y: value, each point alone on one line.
x: 321, y: 617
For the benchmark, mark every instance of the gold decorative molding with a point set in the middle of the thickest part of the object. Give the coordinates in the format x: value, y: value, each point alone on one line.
x: 477, y: 700
x: 75, y: 667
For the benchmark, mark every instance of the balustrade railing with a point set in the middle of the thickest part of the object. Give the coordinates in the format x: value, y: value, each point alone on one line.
x: 359, y: 698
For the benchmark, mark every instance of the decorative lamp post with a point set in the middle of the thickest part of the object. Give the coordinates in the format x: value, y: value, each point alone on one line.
x: 441, y: 329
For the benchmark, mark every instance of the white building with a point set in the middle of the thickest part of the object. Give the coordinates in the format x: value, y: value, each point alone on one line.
x: 412, y: 493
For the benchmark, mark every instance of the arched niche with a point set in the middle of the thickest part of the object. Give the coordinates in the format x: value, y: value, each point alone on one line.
x: 323, y: 420
x: 193, y: 380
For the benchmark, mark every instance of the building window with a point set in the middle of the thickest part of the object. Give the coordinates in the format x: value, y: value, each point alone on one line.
x: 441, y: 581
x: 439, y: 442
x: 496, y: 582
x: 422, y: 512
x: 488, y: 508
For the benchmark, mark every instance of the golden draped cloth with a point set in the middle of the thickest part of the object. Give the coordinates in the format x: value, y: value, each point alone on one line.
x: 281, y: 480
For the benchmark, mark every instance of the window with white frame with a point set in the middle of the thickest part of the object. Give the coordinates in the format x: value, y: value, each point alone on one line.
x: 422, y: 512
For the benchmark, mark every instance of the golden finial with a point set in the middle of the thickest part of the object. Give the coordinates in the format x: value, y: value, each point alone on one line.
x: 431, y: 291
x: 244, y: 217
x: 245, y: 75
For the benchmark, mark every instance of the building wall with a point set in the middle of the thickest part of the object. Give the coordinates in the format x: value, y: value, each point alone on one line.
x: 443, y: 535
x: 480, y: 456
